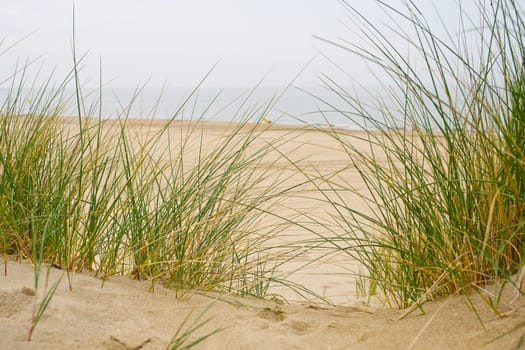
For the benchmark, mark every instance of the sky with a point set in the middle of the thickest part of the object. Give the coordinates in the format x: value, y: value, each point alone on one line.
x: 176, y: 42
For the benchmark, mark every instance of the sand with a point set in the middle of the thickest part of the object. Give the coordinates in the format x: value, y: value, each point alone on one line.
x: 125, y: 314
x: 128, y: 314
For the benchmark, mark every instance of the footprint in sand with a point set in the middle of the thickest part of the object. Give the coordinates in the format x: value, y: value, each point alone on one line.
x: 271, y: 314
x: 300, y: 327
x: 16, y: 301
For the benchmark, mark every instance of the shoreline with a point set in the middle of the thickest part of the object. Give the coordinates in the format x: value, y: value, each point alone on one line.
x: 218, y: 124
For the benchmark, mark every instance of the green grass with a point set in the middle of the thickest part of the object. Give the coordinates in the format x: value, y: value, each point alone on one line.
x: 166, y: 203
x: 445, y: 171
x: 93, y: 194
x: 182, y: 339
x: 444, y: 175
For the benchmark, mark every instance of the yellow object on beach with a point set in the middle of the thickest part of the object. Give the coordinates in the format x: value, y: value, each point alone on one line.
x: 266, y: 120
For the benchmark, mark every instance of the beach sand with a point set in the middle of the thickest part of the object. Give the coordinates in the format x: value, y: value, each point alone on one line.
x: 128, y: 314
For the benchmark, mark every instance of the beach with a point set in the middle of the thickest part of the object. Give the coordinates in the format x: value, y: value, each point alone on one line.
x: 131, y: 314
x: 126, y: 314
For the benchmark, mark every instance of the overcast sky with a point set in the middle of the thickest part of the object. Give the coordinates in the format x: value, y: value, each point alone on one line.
x: 177, y: 41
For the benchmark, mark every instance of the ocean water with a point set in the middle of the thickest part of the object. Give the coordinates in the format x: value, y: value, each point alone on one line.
x: 313, y: 106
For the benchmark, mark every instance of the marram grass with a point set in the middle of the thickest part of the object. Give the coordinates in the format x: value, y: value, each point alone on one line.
x: 445, y: 175
x: 445, y: 169
x: 91, y: 194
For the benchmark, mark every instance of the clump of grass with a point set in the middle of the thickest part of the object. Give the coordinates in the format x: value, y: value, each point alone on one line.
x: 172, y: 207
x: 445, y: 166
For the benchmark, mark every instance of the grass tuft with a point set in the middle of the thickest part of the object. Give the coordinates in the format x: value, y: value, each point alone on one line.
x: 445, y: 166
x: 166, y: 203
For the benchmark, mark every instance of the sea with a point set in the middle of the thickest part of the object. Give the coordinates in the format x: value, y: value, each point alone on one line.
x: 319, y: 106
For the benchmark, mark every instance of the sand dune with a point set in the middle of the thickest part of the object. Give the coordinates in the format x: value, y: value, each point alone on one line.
x: 127, y: 314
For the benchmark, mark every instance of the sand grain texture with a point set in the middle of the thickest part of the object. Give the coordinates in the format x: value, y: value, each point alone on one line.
x: 124, y: 314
